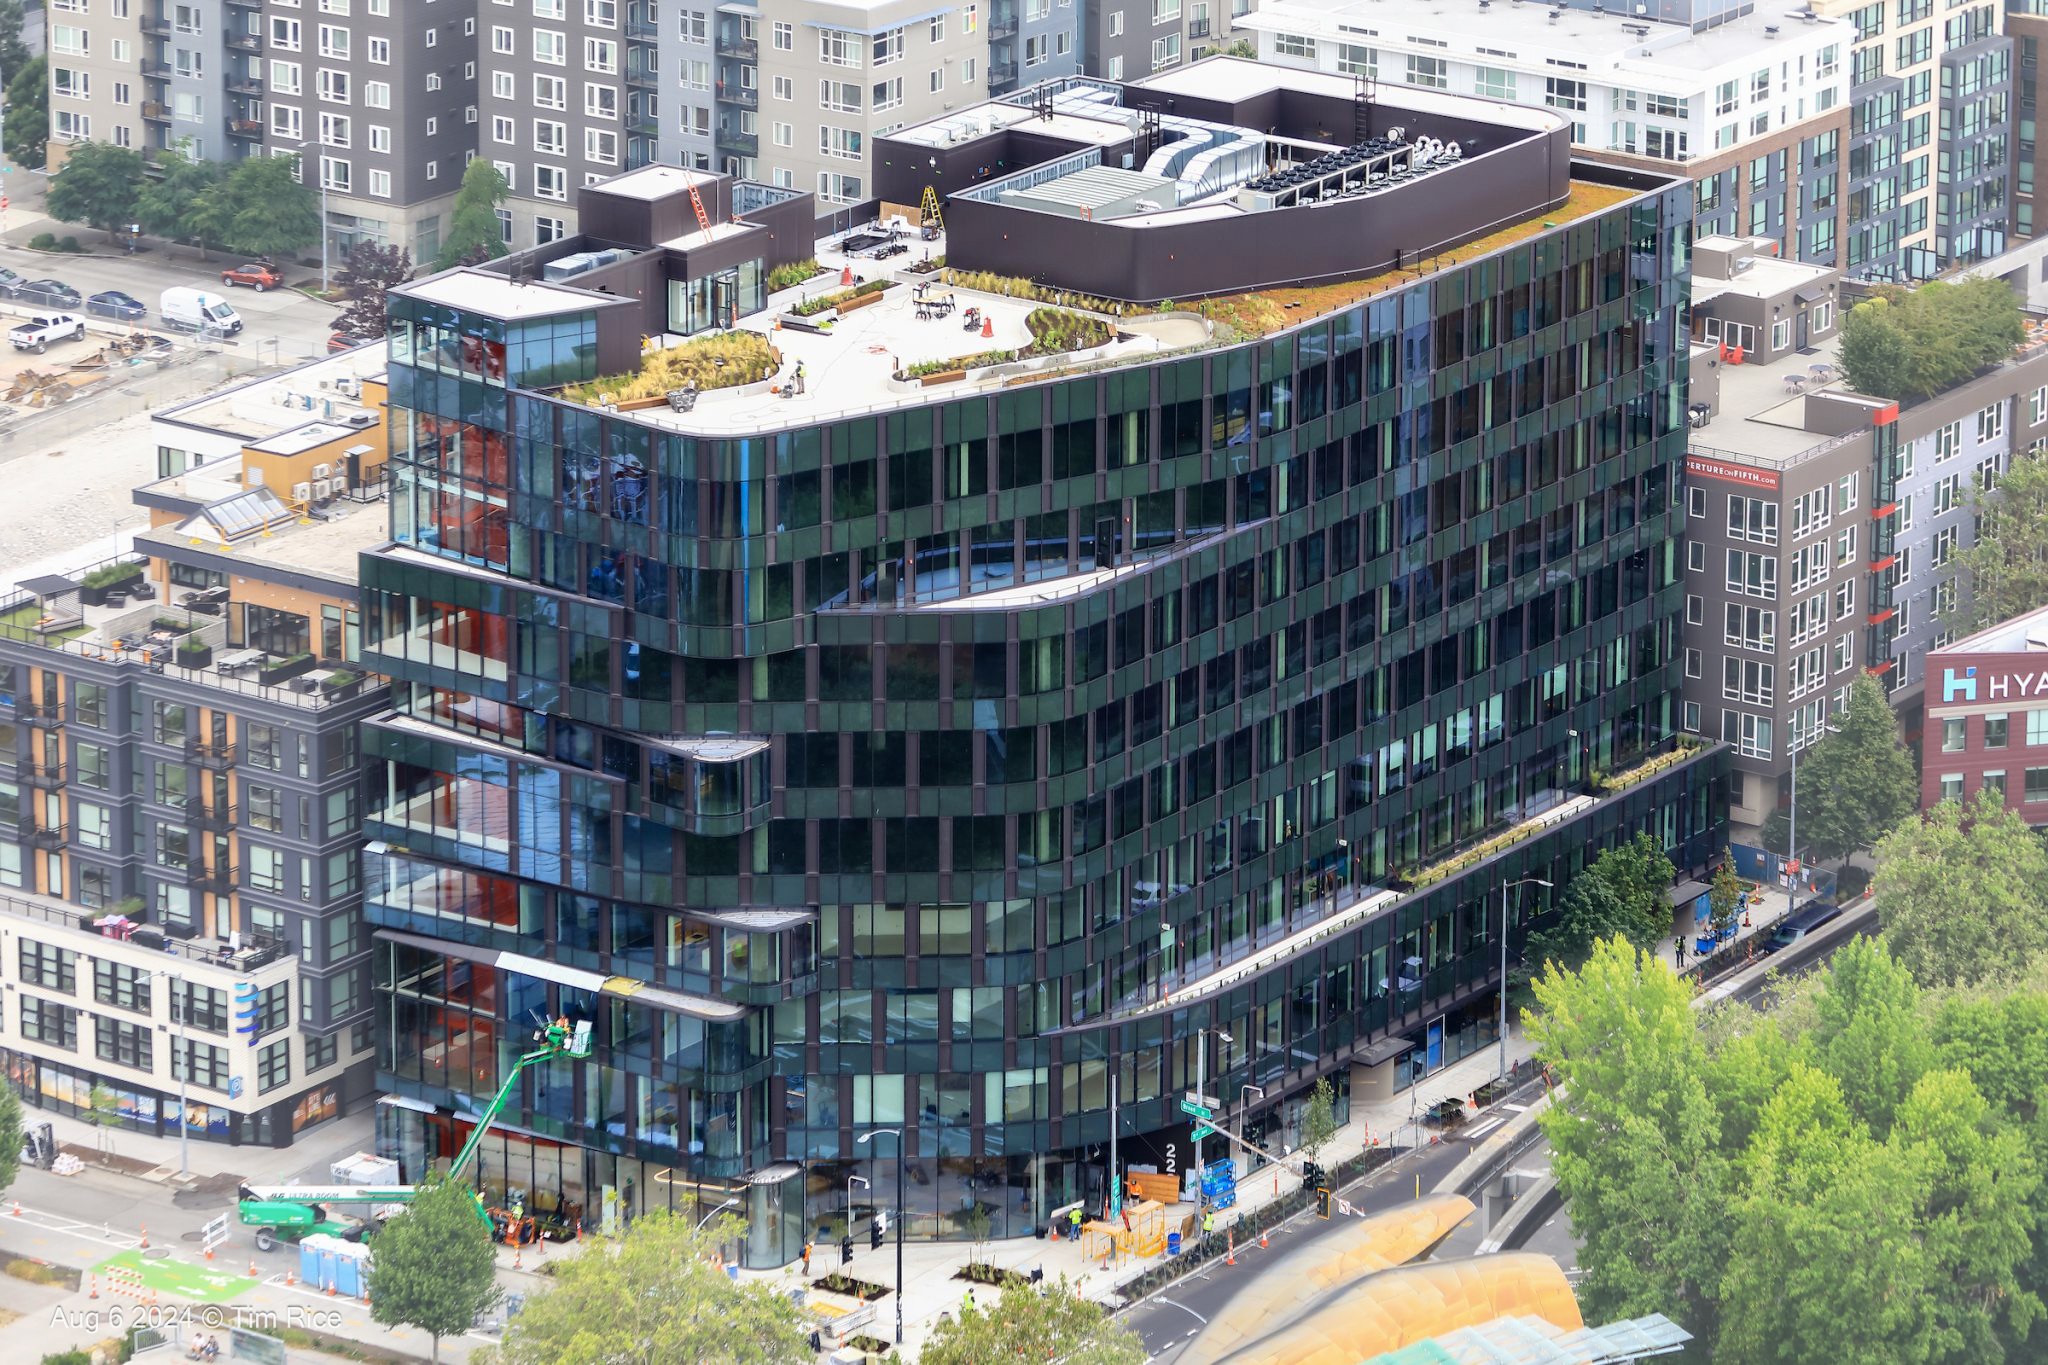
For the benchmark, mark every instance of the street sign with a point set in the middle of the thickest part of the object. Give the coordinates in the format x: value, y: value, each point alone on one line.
x: 1202, y: 1130
x: 1206, y: 1101
x: 1198, y: 1111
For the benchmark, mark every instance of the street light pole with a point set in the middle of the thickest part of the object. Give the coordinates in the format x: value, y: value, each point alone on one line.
x: 1201, y: 1094
x: 1505, y: 888
x: 862, y: 1139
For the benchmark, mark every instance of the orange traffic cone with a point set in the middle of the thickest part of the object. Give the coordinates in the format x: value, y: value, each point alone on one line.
x: 17, y: 1208
x: 145, y: 1237
x: 209, y: 1253
x: 845, y: 274
x: 330, y: 1289
x: 1262, y: 1239
x: 518, y: 1256
x: 252, y: 1268
x: 291, y: 1277
x: 1055, y: 1230
x: 92, y: 1287
x: 988, y: 326
x: 1230, y: 1257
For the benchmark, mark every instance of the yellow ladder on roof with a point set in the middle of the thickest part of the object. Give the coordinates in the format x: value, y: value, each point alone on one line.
x: 928, y: 211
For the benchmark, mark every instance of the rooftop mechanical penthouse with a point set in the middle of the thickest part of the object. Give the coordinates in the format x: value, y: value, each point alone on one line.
x: 1042, y: 688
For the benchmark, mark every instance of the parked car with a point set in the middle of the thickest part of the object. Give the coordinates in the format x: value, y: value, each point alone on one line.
x: 342, y: 341
x: 49, y: 294
x: 258, y: 275
x: 10, y: 281
x: 195, y: 310
x: 1797, y: 926
x: 39, y: 331
x: 112, y: 303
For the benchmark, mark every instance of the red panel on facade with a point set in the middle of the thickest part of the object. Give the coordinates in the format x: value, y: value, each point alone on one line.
x: 1886, y: 415
x: 1881, y: 565
x: 1879, y: 513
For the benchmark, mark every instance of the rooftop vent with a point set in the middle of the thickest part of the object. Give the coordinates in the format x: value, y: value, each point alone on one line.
x: 1770, y: 30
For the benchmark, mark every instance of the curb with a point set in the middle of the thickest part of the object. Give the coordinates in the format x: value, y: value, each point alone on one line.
x: 1521, y: 1211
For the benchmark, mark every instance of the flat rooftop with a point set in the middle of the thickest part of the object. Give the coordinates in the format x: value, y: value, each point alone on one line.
x: 995, y: 115
x: 656, y: 181
x: 323, y: 546
x: 1765, y: 276
x: 264, y: 407
x: 1236, y: 79
x: 1610, y: 47
x: 2026, y: 634
x: 311, y: 436
x: 480, y: 291
x: 1762, y: 412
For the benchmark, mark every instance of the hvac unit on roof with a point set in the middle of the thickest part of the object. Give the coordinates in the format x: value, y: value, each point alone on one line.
x: 302, y: 492
x: 321, y: 471
x: 322, y: 490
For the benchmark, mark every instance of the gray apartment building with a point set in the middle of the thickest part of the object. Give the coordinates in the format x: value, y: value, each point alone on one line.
x: 1822, y: 523
x: 180, y: 773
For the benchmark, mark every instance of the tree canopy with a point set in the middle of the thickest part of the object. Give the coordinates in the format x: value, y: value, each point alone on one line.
x: 98, y: 184
x: 367, y: 272
x: 1626, y: 891
x: 1960, y: 893
x: 272, y: 212
x: 433, y: 1266
x: 656, y: 1296
x: 1911, y: 344
x: 1857, y: 1181
x: 26, y: 132
x: 1857, y: 781
x: 14, y: 55
x: 1026, y: 1324
x: 473, y: 234
x: 166, y: 204
x: 2006, y: 569
x: 10, y: 1136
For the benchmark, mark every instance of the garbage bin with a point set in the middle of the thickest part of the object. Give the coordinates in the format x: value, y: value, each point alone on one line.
x: 1173, y: 1244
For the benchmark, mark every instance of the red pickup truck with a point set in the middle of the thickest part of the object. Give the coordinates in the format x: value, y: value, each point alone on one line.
x: 257, y: 275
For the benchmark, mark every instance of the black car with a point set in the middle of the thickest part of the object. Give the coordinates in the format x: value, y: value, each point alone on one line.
x: 112, y: 303
x: 49, y: 294
x: 1797, y: 926
x: 10, y: 282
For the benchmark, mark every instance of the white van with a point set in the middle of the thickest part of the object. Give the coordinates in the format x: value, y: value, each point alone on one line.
x: 199, y: 310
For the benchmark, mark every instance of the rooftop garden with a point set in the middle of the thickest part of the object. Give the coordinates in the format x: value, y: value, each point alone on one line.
x: 812, y: 307
x: 1054, y: 331
x: 1910, y: 344
x: 717, y: 361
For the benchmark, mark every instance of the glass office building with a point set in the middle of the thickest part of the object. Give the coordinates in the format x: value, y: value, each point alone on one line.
x: 942, y: 767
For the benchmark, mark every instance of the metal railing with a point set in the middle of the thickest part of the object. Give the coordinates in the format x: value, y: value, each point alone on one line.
x: 256, y: 950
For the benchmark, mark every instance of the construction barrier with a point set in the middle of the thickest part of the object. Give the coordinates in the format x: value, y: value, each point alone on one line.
x: 128, y: 1283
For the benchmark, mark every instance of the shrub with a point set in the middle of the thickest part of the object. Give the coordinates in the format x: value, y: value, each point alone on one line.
x: 1056, y: 329
x: 959, y: 362
x: 837, y: 297
x: 43, y: 241
x: 747, y: 357
x: 1010, y: 286
x: 69, y: 244
x: 795, y: 273
x: 106, y: 575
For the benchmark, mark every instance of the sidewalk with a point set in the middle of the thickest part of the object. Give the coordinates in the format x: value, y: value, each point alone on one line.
x: 156, y: 1158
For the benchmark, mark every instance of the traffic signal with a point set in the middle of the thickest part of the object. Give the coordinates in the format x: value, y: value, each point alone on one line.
x: 1322, y: 1202
x: 846, y: 1250
x: 875, y: 1235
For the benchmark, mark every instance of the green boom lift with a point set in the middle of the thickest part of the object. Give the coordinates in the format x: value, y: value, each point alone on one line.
x: 288, y: 1213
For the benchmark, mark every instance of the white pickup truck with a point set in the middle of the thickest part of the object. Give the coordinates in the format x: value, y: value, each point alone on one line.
x: 43, y: 328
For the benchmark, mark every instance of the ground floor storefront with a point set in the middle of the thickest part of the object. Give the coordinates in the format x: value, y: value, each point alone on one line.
x: 60, y: 1088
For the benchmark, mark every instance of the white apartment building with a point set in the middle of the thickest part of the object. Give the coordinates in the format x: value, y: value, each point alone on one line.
x: 1753, y: 108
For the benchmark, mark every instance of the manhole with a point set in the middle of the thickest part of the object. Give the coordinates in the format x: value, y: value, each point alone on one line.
x: 155, y: 1253
x: 192, y: 1237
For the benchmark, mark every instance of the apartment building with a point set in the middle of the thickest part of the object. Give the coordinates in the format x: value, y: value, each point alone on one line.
x: 1161, y: 688
x: 1822, y: 524
x: 180, y: 882
x: 1932, y: 136
x: 110, y: 81
x: 1754, y: 107
x: 2026, y: 23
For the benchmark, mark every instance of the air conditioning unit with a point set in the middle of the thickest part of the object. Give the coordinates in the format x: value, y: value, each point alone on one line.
x: 302, y: 492
x: 322, y: 490
x: 321, y: 471
x: 340, y: 482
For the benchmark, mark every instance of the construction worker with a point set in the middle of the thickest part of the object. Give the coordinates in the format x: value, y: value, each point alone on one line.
x: 1208, y: 1222
x: 1074, y: 1220
x: 808, y: 1247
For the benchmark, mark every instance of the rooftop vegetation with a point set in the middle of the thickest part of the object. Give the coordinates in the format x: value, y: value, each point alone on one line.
x: 1910, y: 344
x: 747, y: 357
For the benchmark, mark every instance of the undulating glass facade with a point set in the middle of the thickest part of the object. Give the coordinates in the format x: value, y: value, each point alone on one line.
x: 890, y: 772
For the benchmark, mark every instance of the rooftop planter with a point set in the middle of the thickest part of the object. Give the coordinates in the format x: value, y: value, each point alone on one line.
x: 173, y: 626
x: 340, y: 683
x: 1054, y: 331
x: 284, y: 670
x: 108, y: 578
x: 840, y: 301
x: 194, y: 654
x: 793, y: 274
x: 719, y: 361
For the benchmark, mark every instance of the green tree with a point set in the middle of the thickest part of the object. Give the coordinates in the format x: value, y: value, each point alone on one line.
x: 97, y: 184
x: 168, y: 205
x: 653, y: 1297
x: 473, y: 234
x: 1724, y: 896
x: 1868, y: 1032
x: 434, y: 1267
x: 1318, y: 1120
x: 1635, y: 1136
x: 1023, y: 1324
x: 274, y: 214
x: 1626, y: 891
x: 10, y: 1136
x: 2006, y: 570
x: 210, y: 218
x: 13, y: 54
x: 1910, y: 344
x: 1855, y: 782
x: 1959, y: 893
x: 26, y: 132
x: 367, y: 273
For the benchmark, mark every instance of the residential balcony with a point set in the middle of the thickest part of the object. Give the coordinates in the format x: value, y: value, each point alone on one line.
x: 214, y: 757
x: 245, y: 127
x: 155, y: 68
x: 739, y: 96
x: 46, y: 776
x: 740, y: 49
x: 1001, y: 77
x: 245, y: 84
x: 155, y: 112
x: 1198, y: 28
x: 51, y: 836
x: 246, y: 4
x: 220, y: 817
x: 643, y: 28
x: 640, y: 78
x: 156, y: 26
x: 245, y: 42
x: 738, y: 143
x: 219, y: 879
x: 1002, y: 24
x: 44, y: 716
